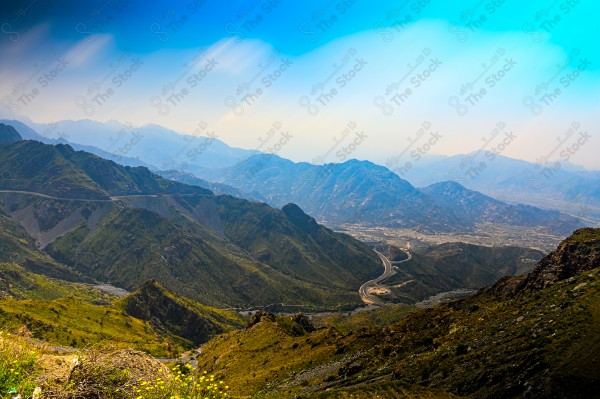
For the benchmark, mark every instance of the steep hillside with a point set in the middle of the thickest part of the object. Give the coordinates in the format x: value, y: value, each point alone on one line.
x: 177, y: 316
x: 296, y: 245
x: 62, y: 172
x: 70, y: 314
x: 17, y: 246
x: 8, y: 134
x: 540, y: 343
x: 132, y: 245
x: 578, y: 253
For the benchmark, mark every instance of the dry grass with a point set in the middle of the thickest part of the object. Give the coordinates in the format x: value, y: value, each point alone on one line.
x: 95, y: 374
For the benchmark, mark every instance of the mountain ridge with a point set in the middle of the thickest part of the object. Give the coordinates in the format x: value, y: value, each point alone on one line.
x: 363, y: 192
x: 555, y: 184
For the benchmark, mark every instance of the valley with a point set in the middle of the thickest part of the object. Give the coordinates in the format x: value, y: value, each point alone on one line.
x: 143, y: 210
x: 488, y: 234
x: 265, y: 199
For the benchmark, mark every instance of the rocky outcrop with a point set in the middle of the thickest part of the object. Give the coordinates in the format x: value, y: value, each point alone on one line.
x: 304, y: 322
x: 576, y: 254
x: 259, y: 316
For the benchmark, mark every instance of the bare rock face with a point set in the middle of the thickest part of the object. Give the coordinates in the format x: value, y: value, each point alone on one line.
x: 576, y: 254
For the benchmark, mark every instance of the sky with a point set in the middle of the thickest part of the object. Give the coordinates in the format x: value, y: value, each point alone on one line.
x: 318, y: 81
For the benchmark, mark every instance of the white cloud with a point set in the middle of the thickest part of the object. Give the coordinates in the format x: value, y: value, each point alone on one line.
x: 84, y: 51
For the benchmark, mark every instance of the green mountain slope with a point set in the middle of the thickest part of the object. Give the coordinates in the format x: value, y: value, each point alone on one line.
x: 72, y: 314
x: 18, y: 283
x: 132, y: 245
x: 16, y: 246
x: 510, y: 340
x: 293, y: 243
x: 8, y: 134
x: 452, y: 266
x: 125, y: 226
x: 175, y: 315
x: 62, y: 172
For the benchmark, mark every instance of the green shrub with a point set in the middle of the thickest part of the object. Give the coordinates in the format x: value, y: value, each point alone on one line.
x: 185, y: 384
x: 17, y: 366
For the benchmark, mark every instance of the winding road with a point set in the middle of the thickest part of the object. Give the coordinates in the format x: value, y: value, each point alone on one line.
x: 388, y: 271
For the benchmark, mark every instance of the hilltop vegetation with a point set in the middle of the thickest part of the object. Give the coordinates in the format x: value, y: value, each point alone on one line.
x: 28, y: 368
x: 151, y: 319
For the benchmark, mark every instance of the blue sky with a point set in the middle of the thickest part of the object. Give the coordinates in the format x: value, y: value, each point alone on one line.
x: 369, y: 80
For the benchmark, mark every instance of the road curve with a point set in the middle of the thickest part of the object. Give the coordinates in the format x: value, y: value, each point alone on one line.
x: 387, y: 272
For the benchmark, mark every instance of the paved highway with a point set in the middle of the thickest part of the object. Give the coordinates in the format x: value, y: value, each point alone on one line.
x: 110, y: 199
x: 387, y: 272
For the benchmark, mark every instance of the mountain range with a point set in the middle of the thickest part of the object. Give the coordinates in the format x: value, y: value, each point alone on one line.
x: 27, y: 133
x: 70, y: 220
x: 153, y: 146
x: 202, y: 159
x: 548, y: 184
x: 83, y: 218
x: 124, y: 225
x: 362, y: 192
